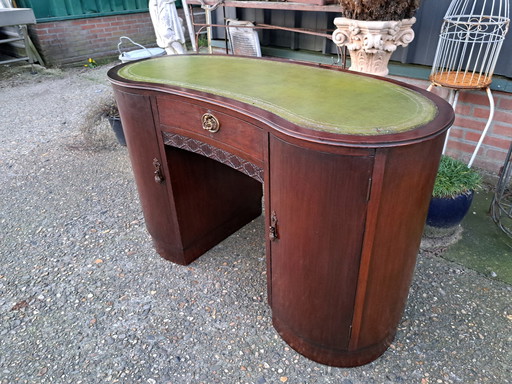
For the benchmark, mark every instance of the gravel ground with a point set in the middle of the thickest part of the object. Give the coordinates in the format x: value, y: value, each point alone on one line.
x: 85, y: 299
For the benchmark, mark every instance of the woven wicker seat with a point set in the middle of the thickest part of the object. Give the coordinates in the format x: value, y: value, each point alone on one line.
x: 460, y: 80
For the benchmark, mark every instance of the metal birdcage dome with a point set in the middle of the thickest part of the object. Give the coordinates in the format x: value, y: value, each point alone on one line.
x: 469, y: 44
x: 470, y: 41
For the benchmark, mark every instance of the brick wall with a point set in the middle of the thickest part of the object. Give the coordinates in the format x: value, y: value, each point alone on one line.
x: 472, y: 112
x: 72, y: 41
x: 471, y: 115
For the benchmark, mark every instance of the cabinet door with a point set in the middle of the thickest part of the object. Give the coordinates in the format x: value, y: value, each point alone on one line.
x: 318, y: 208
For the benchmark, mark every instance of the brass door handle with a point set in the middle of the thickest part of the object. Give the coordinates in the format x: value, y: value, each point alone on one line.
x: 272, y: 230
x: 159, y: 177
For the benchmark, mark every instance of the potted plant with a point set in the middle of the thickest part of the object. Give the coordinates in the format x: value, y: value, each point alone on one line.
x: 372, y: 30
x: 111, y: 113
x: 103, y: 109
x: 453, y: 193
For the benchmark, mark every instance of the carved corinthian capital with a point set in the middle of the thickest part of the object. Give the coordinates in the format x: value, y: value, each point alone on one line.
x: 371, y: 43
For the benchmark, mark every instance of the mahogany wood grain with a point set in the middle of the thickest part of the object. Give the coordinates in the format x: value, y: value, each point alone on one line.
x: 235, y: 135
x: 315, y: 259
x: 143, y: 148
x: 211, y: 200
x: 399, y: 218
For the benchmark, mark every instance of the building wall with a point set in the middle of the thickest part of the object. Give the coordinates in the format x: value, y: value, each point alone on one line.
x: 75, y: 40
x: 471, y: 114
x: 421, y: 51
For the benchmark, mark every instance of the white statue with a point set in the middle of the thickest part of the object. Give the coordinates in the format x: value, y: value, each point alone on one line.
x: 168, y: 26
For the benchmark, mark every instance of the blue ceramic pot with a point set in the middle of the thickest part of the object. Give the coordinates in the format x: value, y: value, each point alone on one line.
x: 447, y: 212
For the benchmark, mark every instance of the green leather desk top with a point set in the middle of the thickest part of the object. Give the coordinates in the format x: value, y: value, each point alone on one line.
x: 311, y: 97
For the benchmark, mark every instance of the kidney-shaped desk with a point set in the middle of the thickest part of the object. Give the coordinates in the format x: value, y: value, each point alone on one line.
x: 348, y: 164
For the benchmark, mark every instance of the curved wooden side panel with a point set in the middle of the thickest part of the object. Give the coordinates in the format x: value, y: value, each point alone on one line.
x: 392, y: 245
x: 143, y: 147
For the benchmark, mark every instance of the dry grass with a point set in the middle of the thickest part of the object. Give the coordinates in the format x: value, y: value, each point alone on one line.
x: 95, y: 128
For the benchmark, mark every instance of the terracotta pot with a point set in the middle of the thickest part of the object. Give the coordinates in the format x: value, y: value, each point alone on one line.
x: 371, y: 43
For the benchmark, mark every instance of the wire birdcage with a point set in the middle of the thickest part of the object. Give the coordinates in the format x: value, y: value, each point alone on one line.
x: 470, y: 41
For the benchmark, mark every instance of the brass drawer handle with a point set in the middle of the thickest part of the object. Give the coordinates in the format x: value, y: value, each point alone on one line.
x: 210, y: 123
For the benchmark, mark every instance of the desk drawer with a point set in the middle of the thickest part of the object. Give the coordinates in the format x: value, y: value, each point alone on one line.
x: 212, y: 126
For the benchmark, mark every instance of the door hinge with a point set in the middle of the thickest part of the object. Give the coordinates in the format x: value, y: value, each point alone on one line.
x: 369, y: 191
x: 272, y: 231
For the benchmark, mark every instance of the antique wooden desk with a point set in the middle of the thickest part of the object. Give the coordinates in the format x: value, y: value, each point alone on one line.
x: 347, y: 163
